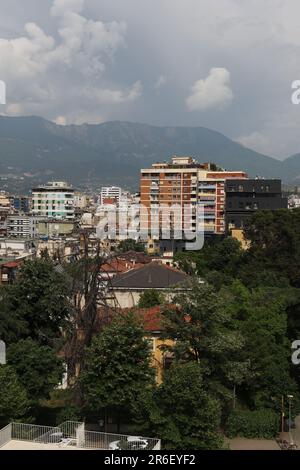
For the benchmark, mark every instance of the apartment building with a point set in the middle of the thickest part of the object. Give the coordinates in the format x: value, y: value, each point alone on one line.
x: 54, y: 200
x: 22, y: 204
x: 187, y: 183
x: 110, y: 195
x: 5, y: 210
x: 22, y: 226
x: 244, y: 197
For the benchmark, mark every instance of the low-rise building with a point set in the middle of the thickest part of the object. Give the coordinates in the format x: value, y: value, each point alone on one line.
x: 128, y: 287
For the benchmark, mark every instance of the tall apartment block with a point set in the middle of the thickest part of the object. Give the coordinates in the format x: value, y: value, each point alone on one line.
x: 54, y: 200
x: 185, y: 181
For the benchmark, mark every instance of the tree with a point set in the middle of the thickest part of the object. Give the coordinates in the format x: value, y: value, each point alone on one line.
x: 38, y: 301
x: 38, y: 367
x: 130, y: 245
x: 260, y: 315
x: 275, y: 243
x: 117, y: 367
x: 181, y: 411
x: 150, y: 298
x: 14, y: 403
x: 205, y: 332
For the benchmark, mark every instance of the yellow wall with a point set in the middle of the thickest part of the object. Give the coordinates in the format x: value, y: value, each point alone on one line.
x: 158, y: 355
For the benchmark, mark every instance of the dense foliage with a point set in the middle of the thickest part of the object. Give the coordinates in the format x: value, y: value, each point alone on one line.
x: 262, y: 423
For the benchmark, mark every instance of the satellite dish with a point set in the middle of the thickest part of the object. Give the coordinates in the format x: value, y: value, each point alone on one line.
x: 2, y: 352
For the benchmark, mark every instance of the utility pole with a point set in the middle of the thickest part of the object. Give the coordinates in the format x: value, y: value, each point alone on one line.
x: 282, y: 413
x: 290, y: 397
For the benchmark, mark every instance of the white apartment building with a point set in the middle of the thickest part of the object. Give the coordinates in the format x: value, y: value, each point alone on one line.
x: 110, y: 194
x: 54, y: 200
x: 22, y: 226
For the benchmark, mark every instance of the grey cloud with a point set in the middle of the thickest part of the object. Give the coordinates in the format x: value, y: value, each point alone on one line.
x: 110, y: 68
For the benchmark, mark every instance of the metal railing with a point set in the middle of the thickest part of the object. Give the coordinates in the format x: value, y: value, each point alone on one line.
x: 108, y: 441
x: 5, y: 435
x: 74, y: 433
x: 33, y: 432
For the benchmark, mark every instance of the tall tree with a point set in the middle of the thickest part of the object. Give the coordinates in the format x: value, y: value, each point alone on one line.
x: 181, y: 411
x: 38, y: 367
x: 204, y: 331
x: 38, y: 301
x: 117, y: 367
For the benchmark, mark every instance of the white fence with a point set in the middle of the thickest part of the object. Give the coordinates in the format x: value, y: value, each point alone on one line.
x: 73, y: 433
x: 5, y: 435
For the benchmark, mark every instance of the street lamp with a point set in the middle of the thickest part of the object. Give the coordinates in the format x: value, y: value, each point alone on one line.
x: 290, y: 398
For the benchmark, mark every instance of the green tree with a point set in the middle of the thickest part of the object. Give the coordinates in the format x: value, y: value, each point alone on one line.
x: 130, y: 245
x: 150, y: 298
x: 181, y: 411
x: 14, y: 403
x: 37, y: 302
x: 275, y: 243
x: 117, y: 367
x: 38, y: 367
x: 204, y: 331
x: 261, y: 317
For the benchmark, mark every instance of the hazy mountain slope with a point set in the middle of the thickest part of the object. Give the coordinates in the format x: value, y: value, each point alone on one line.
x: 117, y: 150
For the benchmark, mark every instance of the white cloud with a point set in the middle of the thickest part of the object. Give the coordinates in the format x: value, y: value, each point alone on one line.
x: 60, y: 7
x: 256, y: 141
x: 211, y: 92
x: 106, y: 95
x: 60, y: 120
x: 47, y: 73
x: 161, y: 81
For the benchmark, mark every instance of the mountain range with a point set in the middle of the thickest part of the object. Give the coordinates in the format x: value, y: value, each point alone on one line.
x: 37, y: 150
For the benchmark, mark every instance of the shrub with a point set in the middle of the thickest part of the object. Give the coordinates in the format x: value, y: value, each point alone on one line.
x: 252, y: 424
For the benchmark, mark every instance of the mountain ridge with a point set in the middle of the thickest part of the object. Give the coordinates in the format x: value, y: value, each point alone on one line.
x: 117, y: 150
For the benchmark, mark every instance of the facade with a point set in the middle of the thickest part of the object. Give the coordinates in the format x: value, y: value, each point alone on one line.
x: 22, y: 204
x: 22, y: 226
x: 5, y: 210
x: 17, y: 247
x: 54, y: 201
x: 110, y: 195
x: 185, y: 181
x: 244, y: 197
x: 55, y: 228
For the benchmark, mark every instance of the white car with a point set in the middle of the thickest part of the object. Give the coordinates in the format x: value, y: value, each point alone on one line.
x: 132, y: 442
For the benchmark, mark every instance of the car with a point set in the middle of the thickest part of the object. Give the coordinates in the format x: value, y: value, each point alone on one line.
x: 56, y: 437
x: 137, y: 442
x: 131, y: 443
x: 115, y: 445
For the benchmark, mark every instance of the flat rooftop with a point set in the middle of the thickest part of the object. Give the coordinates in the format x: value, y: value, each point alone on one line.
x: 25, y: 445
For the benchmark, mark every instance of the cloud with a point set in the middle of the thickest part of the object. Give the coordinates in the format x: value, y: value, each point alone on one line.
x: 46, y: 73
x: 256, y: 141
x: 60, y: 7
x: 212, y: 92
x: 161, y: 81
x: 111, y: 96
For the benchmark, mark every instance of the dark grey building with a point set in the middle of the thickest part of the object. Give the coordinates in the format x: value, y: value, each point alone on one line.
x: 245, y: 196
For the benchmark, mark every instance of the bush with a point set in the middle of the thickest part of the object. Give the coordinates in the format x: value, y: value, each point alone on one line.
x: 253, y: 424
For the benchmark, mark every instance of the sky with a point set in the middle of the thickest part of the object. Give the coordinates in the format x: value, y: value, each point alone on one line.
x: 226, y: 65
